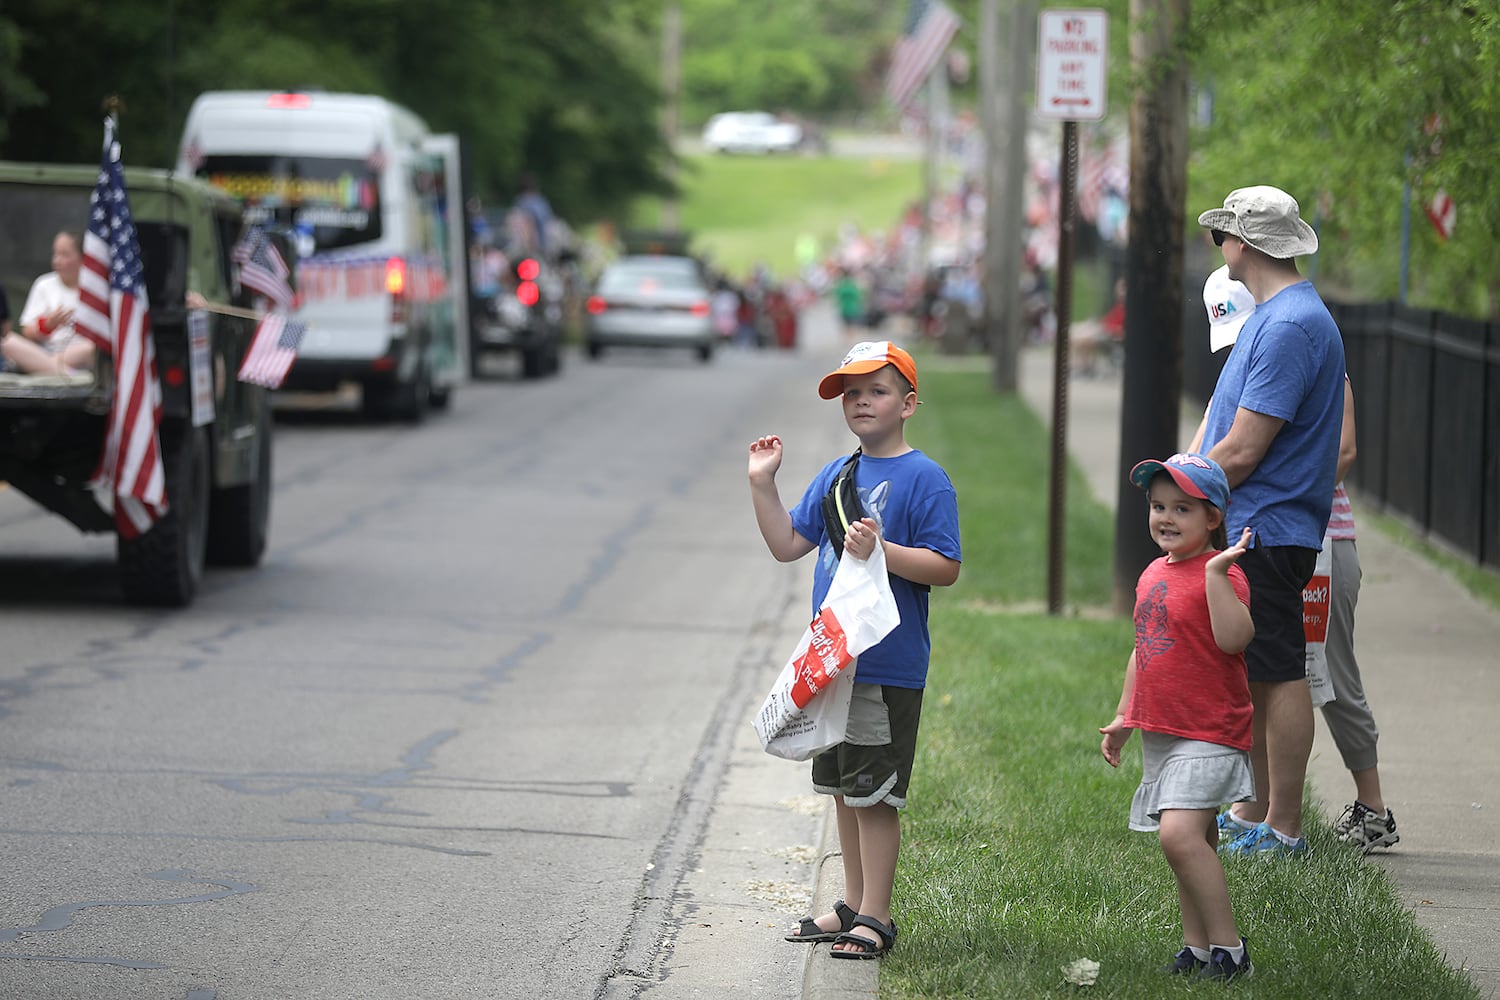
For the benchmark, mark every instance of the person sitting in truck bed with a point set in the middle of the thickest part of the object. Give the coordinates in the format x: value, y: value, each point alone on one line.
x: 47, y: 344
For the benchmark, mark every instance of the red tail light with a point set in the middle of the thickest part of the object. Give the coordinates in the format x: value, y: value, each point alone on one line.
x: 595, y: 305
x: 396, y: 285
x: 699, y: 309
x: 395, y: 276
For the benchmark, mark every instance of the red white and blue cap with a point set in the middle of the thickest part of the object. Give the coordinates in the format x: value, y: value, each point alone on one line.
x: 1196, y: 475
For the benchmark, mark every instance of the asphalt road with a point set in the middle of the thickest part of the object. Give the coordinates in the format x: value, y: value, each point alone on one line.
x: 477, y: 727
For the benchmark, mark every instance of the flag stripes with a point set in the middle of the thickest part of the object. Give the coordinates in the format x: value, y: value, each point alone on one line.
x: 930, y: 26
x: 114, y: 313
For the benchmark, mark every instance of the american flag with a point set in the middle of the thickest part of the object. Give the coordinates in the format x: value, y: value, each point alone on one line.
x: 274, y: 349
x: 114, y: 314
x: 930, y: 26
x: 262, y: 267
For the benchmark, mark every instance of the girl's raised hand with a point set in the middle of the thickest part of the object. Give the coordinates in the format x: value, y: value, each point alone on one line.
x: 1221, y: 562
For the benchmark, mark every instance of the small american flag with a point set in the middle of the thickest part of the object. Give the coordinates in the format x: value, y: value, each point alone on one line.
x: 274, y: 349
x: 114, y: 314
x: 930, y: 26
x: 263, y: 268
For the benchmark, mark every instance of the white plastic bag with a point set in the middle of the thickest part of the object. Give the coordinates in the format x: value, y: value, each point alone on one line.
x: 808, y: 706
x: 1317, y: 605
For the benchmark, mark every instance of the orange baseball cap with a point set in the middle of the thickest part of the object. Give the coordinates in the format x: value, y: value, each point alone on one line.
x: 863, y: 358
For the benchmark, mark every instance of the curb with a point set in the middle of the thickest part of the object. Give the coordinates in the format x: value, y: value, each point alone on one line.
x: 823, y: 976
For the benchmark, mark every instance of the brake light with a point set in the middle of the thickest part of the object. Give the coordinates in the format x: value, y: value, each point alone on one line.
x: 595, y: 305
x: 527, y: 293
x: 289, y: 101
x: 395, y: 283
x: 699, y: 309
x: 395, y: 276
x: 528, y: 269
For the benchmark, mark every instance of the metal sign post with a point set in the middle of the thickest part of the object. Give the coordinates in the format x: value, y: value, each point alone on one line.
x: 1071, y: 47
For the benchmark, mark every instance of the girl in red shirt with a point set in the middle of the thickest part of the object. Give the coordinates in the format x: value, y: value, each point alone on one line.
x: 1187, y: 691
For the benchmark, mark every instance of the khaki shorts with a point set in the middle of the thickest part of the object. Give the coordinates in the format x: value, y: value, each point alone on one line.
x: 873, y: 764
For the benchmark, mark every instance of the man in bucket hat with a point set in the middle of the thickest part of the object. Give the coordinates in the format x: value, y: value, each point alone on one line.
x: 1273, y: 425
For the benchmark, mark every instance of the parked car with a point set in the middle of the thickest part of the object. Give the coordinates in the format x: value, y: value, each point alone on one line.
x: 650, y: 300
x: 751, y: 132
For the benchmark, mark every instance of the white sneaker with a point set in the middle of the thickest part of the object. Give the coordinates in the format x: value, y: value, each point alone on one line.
x: 1364, y: 828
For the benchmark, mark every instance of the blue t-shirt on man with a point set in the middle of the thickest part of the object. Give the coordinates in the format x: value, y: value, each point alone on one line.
x: 1288, y: 362
x: 913, y: 501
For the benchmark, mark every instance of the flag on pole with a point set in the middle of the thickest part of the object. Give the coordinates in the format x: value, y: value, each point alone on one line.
x: 272, y: 352
x: 262, y: 267
x: 114, y: 314
x: 1442, y: 213
x: 930, y: 26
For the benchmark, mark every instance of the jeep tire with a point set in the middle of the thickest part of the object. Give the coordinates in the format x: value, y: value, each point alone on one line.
x: 239, y: 518
x: 164, y: 566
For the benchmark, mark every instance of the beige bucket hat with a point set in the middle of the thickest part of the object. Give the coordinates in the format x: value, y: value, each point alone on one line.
x: 1266, y: 219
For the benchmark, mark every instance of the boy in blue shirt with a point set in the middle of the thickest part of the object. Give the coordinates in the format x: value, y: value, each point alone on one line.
x: 912, y: 511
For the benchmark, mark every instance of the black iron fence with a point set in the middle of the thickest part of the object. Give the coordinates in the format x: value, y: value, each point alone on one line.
x: 1427, y: 408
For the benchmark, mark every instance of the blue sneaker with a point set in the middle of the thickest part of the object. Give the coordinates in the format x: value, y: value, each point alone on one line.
x: 1263, y: 842
x: 1184, y: 963
x: 1221, y: 966
x: 1230, y: 828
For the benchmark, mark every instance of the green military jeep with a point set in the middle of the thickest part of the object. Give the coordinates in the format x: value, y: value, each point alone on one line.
x: 216, y: 431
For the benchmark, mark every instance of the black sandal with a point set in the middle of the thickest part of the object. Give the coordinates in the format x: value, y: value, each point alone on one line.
x: 808, y: 932
x: 866, y: 947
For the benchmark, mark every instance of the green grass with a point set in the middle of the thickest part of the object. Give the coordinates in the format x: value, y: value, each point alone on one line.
x: 1016, y: 857
x: 744, y: 210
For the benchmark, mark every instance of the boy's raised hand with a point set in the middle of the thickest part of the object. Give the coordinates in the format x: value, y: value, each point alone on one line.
x: 765, y: 457
x: 1221, y: 562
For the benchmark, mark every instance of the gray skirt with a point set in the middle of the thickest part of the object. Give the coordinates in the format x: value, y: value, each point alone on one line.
x: 1178, y: 773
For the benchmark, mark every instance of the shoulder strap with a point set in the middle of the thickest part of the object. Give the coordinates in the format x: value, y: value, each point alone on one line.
x: 841, y: 506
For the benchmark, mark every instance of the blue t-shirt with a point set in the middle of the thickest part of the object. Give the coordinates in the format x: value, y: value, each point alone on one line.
x: 913, y: 501
x: 1288, y: 362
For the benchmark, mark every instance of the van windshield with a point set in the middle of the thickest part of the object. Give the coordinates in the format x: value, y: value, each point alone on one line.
x: 336, y: 201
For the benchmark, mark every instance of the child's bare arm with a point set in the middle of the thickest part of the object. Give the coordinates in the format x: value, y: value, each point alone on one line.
x: 1229, y: 617
x: 770, y: 513
x: 1117, y: 734
x: 912, y: 563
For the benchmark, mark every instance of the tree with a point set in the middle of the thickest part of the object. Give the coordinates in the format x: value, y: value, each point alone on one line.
x: 1343, y: 105
x: 567, y: 93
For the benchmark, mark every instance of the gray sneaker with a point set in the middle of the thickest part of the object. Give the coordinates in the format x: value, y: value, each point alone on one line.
x: 1363, y: 827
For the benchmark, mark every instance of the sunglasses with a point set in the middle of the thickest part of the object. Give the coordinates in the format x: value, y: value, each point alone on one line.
x: 1219, y: 237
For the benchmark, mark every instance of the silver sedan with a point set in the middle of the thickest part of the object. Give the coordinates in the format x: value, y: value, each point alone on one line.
x: 651, y: 301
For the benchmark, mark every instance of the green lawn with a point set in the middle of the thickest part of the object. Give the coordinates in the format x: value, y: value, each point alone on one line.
x: 744, y: 210
x: 1016, y: 859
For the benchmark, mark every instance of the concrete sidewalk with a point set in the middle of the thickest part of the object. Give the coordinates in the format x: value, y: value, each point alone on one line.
x: 1429, y: 654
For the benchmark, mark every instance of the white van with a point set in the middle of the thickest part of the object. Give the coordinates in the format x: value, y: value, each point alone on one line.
x: 374, y: 204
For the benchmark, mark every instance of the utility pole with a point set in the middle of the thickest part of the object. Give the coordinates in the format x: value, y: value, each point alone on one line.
x: 1004, y: 110
x: 671, y: 87
x: 1151, y: 397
